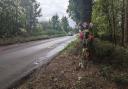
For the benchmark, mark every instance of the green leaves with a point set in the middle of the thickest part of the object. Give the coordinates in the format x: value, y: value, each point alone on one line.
x: 55, y: 22
x: 16, y: 15
x: 108, y: 16
x: 80, y: 10
x: 64, y: 24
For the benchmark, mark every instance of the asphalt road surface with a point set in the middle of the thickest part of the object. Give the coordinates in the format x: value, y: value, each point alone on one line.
x: 19, y: 59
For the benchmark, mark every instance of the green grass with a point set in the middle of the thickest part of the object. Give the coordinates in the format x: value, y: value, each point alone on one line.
x: 21, y: 39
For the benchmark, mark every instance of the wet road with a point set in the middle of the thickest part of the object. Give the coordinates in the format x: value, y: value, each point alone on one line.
x: 17, y: 60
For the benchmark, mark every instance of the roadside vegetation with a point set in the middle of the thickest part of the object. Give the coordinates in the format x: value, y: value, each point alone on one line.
x: 109, y: 18
x: 113, y: 62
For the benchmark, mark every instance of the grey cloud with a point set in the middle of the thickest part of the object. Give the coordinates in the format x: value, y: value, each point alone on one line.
x: 52, y: 7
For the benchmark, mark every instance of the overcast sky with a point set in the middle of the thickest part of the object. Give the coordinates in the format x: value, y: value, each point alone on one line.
x: 52, y: 7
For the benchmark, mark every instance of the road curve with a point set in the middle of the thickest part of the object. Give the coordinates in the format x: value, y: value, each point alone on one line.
x: 18, y: 60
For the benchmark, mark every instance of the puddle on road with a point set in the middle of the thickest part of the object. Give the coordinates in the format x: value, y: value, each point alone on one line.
x: 50, y: 47
x: 40, y: 60
x: 51, y: 54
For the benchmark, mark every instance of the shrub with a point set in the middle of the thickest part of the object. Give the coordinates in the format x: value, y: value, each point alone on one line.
x: 119, y: 57
x: 106, y: 36
x: 106, y: 71
x: 121, y: 79
x: 103, y: 51
x: 107, y: 53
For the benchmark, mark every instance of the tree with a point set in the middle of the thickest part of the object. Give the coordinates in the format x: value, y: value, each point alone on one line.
x: 65, y: 24
x: 18, y: 15
x: 111, y: 17
x: 32, y: 10
x: 107, y: 14
x: 125, y: 31
x: 55, y: 23
x: 80, y: 10
x: 10, y: 17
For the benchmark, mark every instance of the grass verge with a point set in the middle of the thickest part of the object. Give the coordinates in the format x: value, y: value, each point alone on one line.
x: 19, y: 39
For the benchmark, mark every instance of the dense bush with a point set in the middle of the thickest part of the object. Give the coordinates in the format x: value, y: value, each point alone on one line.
x: 121, y: 79
x: 103, y: 51
x: 107, y: 53
x: 106, y: 36
x: 106, y: 71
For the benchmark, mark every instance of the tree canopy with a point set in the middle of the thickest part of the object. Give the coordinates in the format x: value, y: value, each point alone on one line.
x: 110, y: 18
x: 17, y: 16
x: 65, y: 24
x: 80, y: 10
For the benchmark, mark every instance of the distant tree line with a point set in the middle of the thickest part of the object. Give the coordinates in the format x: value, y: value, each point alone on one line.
x: 57, y: 24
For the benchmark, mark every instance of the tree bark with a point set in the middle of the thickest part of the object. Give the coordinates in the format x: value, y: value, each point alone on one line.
x: 114, y: 23
x: 126, y: 22
x: 122, y: 24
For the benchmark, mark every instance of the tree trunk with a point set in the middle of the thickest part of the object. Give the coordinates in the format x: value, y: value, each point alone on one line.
x: 126, y: 22
x: 113, y: 23
x: 122, y: 24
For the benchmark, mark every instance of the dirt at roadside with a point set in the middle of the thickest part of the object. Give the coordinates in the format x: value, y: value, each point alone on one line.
x: 64, y: 73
